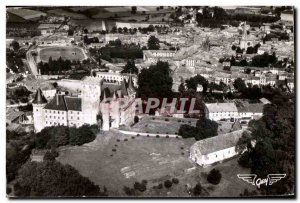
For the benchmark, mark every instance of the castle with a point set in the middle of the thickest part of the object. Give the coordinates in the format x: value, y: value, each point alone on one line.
x: 98, y: 103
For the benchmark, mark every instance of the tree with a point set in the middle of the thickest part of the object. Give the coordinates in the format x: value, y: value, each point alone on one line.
x: 239, y: 84
x: 197, y: 190
x: 52, y: 179
x: 136, y: 119
x: 153, y: 43
x: 130, y: 67
x: 168, y: 184
x: 233, y: 47
x: 70, y: 32
x: 214, y: 177
x: 156, y: 81
x: 15, y: 45
x: 274, y: 151
x: 205, y: 128
x: 133, y: 9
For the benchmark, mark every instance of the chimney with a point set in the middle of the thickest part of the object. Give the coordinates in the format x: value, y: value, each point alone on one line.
x: 57, y: 100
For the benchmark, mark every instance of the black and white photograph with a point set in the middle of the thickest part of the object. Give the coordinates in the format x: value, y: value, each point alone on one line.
x: 171, y: 101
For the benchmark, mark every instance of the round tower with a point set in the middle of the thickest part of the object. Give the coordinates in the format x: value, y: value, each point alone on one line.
x: 38, y: 105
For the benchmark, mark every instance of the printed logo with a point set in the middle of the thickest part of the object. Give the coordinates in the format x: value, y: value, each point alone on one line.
x: 253, y: 180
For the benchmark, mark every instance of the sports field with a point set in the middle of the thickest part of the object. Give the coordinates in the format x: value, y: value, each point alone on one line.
x: 71, y: 53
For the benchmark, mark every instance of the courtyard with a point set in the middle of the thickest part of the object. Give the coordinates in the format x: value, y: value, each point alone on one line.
x: 115, y: 160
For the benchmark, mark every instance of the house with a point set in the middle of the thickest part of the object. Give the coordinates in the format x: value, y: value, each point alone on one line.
x: 221, y: 111
x: 248, y: 111
x: 215, y: 149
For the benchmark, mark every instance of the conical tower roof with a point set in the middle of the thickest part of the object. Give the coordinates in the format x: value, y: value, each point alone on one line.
x: 39, y: 97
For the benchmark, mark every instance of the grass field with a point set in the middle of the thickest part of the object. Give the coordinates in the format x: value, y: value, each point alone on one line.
x: 151, y: 159
x: 71, y: 53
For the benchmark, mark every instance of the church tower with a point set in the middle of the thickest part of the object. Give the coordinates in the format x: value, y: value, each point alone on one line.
x: 38, y: 104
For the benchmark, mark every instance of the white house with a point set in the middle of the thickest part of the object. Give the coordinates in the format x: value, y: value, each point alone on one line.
x: 220, y: 111
x: 215, y: 149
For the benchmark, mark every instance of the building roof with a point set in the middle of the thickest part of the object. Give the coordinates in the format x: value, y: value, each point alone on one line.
x: 39, y: 97
x: 57, y: 103
x: 13, y: 114
x: 73, y: 103
x: 221, y: 107
x: 220, y: 142
x: 250, y: 107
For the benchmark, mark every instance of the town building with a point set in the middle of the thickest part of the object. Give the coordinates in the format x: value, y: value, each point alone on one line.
x: 221, y: 111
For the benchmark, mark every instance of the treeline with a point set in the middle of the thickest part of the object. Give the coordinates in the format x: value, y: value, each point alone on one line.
x: 221, y: 17
x: 55, y: 136
x: 274, y: 152
x: 116, y: 49
x: 54, y: 67
x: 205, y: 128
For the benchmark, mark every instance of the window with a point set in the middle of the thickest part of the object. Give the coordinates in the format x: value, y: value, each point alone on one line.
x: 58, y: 117
x: 71, y: 117
x: 54, y: 117
x: 46, y: 122
x: 46, y: 111
x: 77, y: 113
x: 50, y: 116
x: 77, y: 118
x: 37, y: 110
x: 58, y: 112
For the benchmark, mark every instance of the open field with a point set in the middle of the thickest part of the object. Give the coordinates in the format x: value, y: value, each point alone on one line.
x: 71, y: 53
x: 146, y: 158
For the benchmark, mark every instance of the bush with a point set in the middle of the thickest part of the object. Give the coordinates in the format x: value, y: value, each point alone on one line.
x: 160, y: 186
x: 157, y: 136
x: 49, y: 156
x: 140, y: 186
x: 168, y: 184
x: 116, y: 145
x: 153, y: 118
x: 167, y: 136
x: 125, y: 139
x: 175, y: 180
x: 132, y: 137
x: 182, y: 153
x: 148, y: 135
x: 118, y: 140
x: 214, y: 176
x: 114, y: 150
x: 129, y: 191
x: 197, y: 190
x: 136, y: 119
x: 138, y: 135
x: 166, y: 119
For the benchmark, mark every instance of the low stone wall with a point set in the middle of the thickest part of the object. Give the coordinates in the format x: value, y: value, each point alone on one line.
x: 148, y: 134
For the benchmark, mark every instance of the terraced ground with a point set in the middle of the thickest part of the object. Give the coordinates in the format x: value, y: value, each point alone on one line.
x: 115, y: 164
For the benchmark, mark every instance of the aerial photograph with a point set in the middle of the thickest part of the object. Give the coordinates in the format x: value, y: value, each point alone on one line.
x: 150, y: 102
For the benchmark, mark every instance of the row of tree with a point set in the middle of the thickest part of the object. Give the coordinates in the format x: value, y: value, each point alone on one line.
x: 54, y: 67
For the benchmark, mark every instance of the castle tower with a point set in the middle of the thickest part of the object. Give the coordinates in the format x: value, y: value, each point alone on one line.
x: 38, y: 104
x: 115, y: 111
x: 90, y: 99
x: 105, y: 111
